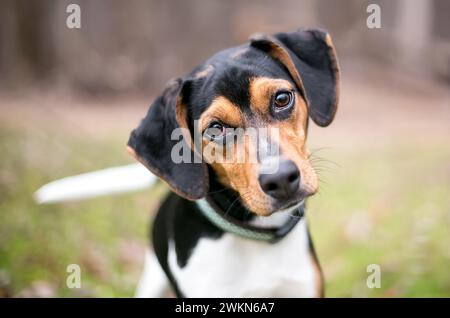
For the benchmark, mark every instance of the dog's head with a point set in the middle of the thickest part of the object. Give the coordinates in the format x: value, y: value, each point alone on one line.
x: 272, y: 84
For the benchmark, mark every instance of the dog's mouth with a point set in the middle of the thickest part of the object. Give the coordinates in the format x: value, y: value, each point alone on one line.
x: 280, y: 217
x: 283, y: 207
x: 291, y: 203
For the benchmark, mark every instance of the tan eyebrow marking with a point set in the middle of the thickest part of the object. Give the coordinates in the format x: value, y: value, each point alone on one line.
x: 262, y: 89
x: 222, y: 109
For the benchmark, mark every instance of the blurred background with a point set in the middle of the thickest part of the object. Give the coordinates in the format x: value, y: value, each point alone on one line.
x: 70, y: 97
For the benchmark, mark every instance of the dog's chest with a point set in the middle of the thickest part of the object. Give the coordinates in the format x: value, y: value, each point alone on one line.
x: 236, y: 267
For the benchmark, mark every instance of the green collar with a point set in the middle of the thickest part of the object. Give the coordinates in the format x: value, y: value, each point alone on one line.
x: 214, y: 214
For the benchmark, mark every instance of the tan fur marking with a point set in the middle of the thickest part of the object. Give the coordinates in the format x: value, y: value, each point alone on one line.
x: 132, y: 153
x: 181, y: 117
x: 180, y: 114
x: 261, y: 91
x: 279, y: 53
x: 224, y: 110
x: 292, y: 131
x: 204, y: 72
x: 328, y: 40
x: 335, y: 70
x: 243, y: 176
x: 317, y: 275
x: 293, y: 145
x: 240, y: 176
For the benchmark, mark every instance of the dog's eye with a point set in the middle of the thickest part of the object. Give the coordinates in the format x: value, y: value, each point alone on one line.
x: 215, y: 131
x: 283, y: 99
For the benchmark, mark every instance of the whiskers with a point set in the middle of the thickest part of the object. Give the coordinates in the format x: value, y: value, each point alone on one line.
x: 294, y: 216
x: 218, y: 191
x: 322, y: 165
x: 233, y: 203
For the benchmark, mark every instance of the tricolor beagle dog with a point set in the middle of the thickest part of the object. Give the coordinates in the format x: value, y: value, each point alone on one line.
x: 236, y: 228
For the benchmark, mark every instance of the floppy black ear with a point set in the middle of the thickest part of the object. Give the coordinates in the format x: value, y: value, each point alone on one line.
x: 151, y: 144
x: 312, y: 54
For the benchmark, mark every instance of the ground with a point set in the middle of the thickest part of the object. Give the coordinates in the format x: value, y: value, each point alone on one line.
x: 384, y: 166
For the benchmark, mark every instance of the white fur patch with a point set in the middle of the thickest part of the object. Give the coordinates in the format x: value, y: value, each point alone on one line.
x: 153, y: 282
x: 276, y: 219
x: 237, y: 267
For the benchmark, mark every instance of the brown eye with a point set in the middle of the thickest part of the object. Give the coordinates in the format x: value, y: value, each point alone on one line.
x: 283, y: 99
x: 215, y: 131
x: 216, y: 125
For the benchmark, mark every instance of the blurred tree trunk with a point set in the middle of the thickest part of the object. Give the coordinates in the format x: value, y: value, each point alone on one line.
x: 27, y: 48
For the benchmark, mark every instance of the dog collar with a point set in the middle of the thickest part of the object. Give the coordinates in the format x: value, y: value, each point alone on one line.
x: 214, y: 214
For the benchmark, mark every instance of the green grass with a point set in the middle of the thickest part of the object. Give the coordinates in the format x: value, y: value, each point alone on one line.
x: 388, y: 207
x: 105, y: 236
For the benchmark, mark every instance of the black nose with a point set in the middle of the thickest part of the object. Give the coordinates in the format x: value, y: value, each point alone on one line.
x: 282, y: 184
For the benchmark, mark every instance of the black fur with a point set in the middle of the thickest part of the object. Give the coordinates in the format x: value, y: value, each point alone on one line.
x: 153, y: 145
x: 179, y: 220
x: 317, y: 66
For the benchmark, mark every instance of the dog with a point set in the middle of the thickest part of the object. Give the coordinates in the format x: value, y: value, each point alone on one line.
x: 229, y: 229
